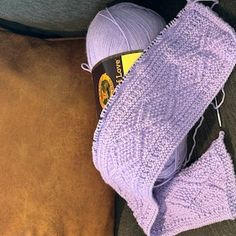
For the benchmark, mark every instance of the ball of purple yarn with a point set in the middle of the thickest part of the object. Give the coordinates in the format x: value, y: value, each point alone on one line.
x: 121, y: 28
x: 126, y: 27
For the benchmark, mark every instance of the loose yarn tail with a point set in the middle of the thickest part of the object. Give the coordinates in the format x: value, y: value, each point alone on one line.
x: 214, y: 2
x: 194, y: 142
x: 85, y: 67
x: 217, y: 106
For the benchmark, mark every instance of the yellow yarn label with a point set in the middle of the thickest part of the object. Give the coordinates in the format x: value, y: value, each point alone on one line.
x: 128, y: 60
x: 110, y: 72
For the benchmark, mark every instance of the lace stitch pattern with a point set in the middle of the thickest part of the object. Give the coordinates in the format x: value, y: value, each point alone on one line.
x: 160, y: 100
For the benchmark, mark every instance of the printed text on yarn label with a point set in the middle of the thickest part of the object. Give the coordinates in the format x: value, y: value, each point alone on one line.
x: 108, y: 73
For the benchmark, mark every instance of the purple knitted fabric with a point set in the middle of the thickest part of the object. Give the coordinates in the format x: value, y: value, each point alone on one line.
x: 151, y: 112
x: 202, y: 194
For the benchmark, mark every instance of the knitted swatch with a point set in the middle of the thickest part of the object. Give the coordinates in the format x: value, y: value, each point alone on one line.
x: 202, y: 194
x: 151, y: 112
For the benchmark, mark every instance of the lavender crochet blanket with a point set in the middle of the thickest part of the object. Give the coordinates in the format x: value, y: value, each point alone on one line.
x: 151, y: 112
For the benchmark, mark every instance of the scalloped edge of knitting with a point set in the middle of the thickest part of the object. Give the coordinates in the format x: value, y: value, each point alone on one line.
x: 105, y: 112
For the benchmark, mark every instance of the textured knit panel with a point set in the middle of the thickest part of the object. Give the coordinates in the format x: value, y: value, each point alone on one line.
x: 159, y: 101
x: 125, y: 222
x: 202, y: 194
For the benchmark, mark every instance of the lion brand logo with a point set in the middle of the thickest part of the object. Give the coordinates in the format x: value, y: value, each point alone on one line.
x: 105, y: 89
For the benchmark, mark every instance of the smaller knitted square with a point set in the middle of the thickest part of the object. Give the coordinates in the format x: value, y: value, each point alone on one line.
x: 201, y: 194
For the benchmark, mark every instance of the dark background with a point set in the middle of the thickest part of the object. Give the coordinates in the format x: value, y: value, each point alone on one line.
x: 71, y: 18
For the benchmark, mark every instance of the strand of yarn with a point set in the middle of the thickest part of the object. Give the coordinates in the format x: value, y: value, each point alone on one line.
x: 194, y: 142
x: 216, y: 106
x: 214, y: 2
x: 126, y: 27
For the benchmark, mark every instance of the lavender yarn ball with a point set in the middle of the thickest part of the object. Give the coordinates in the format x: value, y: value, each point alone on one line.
x: 121, y: 28
x: 126, y: 27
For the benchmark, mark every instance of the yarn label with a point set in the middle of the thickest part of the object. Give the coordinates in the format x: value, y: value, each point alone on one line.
x: 108, y: 73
